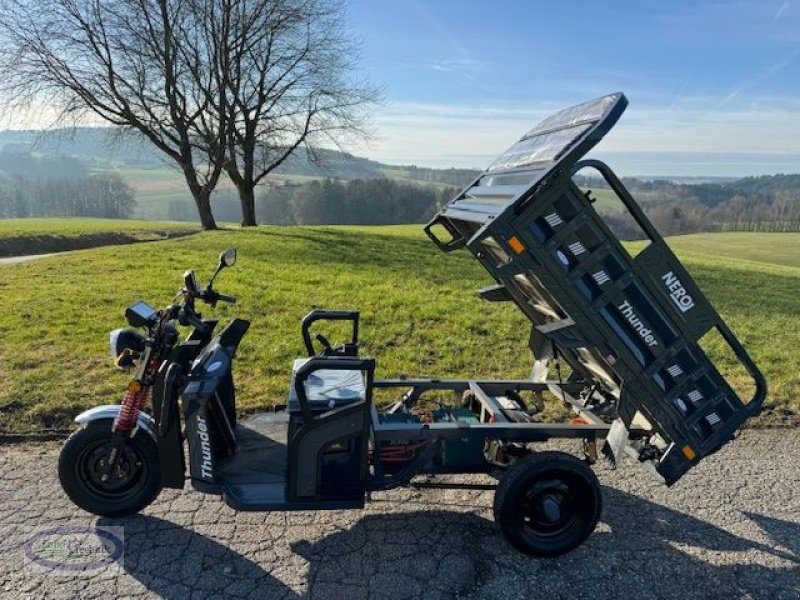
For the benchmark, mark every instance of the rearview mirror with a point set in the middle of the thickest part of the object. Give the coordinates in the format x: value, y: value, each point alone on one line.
x: 227, y: 258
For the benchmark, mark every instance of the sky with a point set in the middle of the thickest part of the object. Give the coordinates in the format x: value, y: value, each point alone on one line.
x: 713, y: 87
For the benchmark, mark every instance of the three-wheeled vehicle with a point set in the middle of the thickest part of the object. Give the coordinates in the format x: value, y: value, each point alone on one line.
x: 628, y: 328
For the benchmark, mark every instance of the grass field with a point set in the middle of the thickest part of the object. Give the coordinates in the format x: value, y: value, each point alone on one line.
x: 771, y: 248
x: 420, y: 317
x: 40, y: 236
x: 76, y: 227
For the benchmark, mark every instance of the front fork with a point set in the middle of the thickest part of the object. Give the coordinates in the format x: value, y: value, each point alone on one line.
x: 125, y: 425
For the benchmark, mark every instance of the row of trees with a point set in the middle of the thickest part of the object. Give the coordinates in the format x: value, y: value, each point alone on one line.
x: 357, y: 202
x: 103, y: 195
x: 232, y: 86
x: 778, y: 211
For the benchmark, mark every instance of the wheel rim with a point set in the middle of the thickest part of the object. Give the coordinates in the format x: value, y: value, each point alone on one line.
x: 126, y: 480
x: 551, y: 504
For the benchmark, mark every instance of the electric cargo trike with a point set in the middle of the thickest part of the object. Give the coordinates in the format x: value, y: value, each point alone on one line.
x: 628, y: 328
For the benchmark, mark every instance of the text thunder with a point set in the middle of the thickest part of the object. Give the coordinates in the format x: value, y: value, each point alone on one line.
x: 647, y: 334
x: 205, y: 446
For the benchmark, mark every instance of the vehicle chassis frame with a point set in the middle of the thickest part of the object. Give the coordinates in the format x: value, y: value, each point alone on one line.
x: 502, y: 429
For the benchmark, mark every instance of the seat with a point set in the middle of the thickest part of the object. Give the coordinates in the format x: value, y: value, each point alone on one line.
x: 327, y: 389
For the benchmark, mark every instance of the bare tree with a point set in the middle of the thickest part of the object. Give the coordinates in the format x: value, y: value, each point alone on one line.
x: 290, y: 87
x: 150, y: 67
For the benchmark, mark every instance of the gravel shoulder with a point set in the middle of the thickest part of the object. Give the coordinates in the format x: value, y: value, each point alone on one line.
x: 729, y: 529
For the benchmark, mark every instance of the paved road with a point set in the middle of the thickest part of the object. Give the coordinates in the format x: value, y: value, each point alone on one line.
x: 15, y: 260
x: 730, y: 529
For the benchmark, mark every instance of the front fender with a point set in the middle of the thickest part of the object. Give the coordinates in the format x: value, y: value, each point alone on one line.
x: 110, y: 411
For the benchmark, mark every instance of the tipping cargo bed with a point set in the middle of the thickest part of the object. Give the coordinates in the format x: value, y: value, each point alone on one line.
x: 628, y: 326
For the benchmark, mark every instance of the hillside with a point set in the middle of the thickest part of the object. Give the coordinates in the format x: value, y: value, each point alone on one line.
x: 420, y: 316
x: 96, y: 149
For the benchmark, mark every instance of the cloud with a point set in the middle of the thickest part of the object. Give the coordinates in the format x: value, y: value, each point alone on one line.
x: 781, y: 10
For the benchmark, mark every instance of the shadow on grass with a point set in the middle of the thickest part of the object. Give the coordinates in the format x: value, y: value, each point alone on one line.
x: 364, y: 248
x: 441, y: 553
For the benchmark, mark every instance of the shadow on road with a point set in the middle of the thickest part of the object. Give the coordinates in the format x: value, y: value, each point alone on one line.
x: 442, y: 553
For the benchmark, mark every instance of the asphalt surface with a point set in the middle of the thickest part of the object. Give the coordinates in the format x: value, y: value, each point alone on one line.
x: 729, y: 529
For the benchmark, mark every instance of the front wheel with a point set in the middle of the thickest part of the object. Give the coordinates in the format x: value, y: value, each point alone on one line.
x: 133, y: 484
x: 547, y: 503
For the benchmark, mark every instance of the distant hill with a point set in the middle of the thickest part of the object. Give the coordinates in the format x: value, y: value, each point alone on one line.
x: 98, y: 148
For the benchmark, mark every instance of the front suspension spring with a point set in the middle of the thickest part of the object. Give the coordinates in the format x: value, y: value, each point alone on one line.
x: 132, y: 403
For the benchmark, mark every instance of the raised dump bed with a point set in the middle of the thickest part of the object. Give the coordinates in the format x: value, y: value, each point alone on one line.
x: 631, y: 327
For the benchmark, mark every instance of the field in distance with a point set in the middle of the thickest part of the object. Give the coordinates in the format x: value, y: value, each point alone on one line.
x: 420, y: 317
x: 156, y: 189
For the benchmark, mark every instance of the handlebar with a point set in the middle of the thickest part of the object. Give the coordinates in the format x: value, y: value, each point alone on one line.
x: 187, y: 318
x: 211, y: 296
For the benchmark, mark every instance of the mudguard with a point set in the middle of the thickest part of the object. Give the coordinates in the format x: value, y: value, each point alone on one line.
x: 110, y: 411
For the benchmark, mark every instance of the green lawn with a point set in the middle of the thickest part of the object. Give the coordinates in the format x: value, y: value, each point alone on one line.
x: 70, y: 227
x: 40, y: 236
x: 770, y: 248
x: 420, y: 316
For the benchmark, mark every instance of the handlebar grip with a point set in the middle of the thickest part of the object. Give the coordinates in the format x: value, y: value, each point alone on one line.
x: 190, y: 319
x: 228, y: 299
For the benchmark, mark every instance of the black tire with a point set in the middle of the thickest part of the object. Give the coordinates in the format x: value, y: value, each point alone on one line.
x: 134, y: 485
x: 547, y: 503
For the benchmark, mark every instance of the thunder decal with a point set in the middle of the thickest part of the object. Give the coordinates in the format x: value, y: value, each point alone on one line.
x: 647, y: 334
x: 205, y: 445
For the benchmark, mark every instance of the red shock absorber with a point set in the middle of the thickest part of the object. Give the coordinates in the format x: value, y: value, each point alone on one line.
x: 132, y: 403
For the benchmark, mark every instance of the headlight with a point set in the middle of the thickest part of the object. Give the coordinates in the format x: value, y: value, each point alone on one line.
x: 125, y: 347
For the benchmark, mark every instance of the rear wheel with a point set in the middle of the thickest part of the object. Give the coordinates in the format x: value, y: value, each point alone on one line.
x: 547, y: 503
x: 134, y: 482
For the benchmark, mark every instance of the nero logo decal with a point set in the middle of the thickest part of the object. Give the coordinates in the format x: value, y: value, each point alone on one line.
x: 677, y: 292
x: 205, y: 445
x: 647, y: 334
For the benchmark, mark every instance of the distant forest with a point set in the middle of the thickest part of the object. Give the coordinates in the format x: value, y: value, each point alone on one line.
x: 60, y: 186
x: 358, y: 202
x: 379, y: 201
x: 769, y: 203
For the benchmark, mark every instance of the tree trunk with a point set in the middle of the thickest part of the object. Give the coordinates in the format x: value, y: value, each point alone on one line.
x: 247, y: 198
x: 203, y: 202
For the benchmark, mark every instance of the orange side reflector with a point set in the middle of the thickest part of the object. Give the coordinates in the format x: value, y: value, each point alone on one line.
x: 516, y: 245
x: 689, y: 453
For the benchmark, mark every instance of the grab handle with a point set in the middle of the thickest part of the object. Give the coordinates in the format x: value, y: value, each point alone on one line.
x: 328, y: 315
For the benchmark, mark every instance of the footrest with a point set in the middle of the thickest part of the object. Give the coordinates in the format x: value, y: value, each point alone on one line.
x: 272, y: 496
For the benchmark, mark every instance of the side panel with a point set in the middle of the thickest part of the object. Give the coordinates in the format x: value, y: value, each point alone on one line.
x: 328, y: 457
